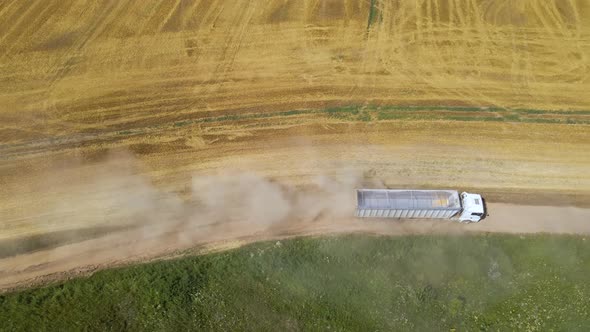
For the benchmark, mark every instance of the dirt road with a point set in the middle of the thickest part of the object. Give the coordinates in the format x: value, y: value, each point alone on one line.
x: 152, y: 241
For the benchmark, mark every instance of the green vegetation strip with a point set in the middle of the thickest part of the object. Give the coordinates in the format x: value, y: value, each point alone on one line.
x: 363, y: 283
x: 370, y: 113
x: 381, y: 113
x: 372, y: 14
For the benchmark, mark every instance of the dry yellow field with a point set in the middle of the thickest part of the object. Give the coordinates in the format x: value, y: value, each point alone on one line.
x: 76, y: 66
x: 491, y: 96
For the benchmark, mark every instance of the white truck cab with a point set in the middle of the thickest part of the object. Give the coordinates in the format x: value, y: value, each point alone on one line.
x: 474, y: 209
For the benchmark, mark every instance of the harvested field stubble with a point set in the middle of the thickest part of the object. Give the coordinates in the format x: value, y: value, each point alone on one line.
x: 73, y: 66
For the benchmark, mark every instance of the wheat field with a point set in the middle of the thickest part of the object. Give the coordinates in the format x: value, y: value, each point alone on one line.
x: 75, y: 66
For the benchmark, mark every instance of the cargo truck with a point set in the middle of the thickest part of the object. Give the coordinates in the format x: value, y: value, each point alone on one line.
x: 423, y: 204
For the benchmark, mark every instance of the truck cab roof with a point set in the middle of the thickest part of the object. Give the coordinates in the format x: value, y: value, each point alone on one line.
x: 472, y: 203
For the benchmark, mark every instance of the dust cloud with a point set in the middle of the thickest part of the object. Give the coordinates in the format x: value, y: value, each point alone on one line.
x: 119, y: 191
x: 118, y: 194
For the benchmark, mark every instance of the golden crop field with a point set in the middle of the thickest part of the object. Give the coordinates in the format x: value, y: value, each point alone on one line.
x: 76, y: 66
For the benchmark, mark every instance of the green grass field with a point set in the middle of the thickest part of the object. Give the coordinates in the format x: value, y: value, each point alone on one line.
x: 369, y: 113
x: 363, y: 283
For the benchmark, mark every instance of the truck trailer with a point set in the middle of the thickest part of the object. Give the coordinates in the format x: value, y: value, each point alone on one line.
x: 422, y: 204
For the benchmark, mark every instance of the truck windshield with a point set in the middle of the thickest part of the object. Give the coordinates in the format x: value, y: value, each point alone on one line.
x: 477, y: 214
